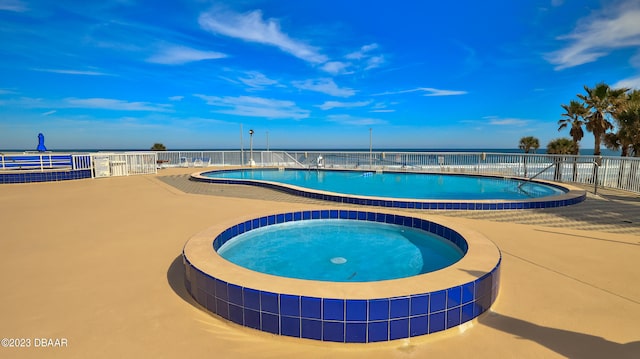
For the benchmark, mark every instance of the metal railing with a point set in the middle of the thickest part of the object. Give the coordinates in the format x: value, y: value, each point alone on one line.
x: 124, y: 163
x: 48, y: 161
x: 612, y: 172
x: 81, y: 162
x: 35, y: 161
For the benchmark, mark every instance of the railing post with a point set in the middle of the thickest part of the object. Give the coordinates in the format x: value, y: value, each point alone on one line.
x: 596, y: 171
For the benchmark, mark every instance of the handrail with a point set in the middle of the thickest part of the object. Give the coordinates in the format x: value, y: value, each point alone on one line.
x: 595, y: 181
x: 295, y: 160
x: 537, y: 174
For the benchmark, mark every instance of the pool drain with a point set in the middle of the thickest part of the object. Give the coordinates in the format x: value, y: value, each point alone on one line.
x: 338, y: 260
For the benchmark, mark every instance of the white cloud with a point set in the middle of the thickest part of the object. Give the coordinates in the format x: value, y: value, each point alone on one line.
x: 178, y: 55
x: 49, y: 113
x: 437, y: 92
x: 398, y: 92
x: 255, y: 107
x: 257, y: 80
x: 88, y: 103
x: 356, y: 121
x: 497, y: 121
x: 337, y: 104
x: 557, y: 3
x: 382, y: 107
x: 364, y: 57
x: 326, y: 86
x: 336, y: 68
x: 362, y: 53
x: 13, y: 5
x: 631, y: 82
x: 598, y: 35
x: 374, y: 61
x: 113, y: 104
x: 73, y: 72
x: 430, y: 91
x: 252, y: 27
x: 176, y: 98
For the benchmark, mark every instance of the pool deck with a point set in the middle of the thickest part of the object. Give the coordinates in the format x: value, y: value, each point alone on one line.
x: 97, y: 262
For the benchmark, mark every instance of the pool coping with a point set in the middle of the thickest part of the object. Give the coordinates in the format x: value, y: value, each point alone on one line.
x: 212, y: 281
x: 572, y: 195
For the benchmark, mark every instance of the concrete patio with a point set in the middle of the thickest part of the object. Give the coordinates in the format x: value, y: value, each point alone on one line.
x: 97, y: 262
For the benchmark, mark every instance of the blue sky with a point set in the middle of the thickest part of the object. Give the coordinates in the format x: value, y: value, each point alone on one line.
x: 304, y: 74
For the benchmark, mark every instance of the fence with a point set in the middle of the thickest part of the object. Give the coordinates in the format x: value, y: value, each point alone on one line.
x: 33, y: 161
x: 612, y: 172
x: 124, y: 163
x: 44, y: 161
x: 225, y: 158
x: 102, y: 164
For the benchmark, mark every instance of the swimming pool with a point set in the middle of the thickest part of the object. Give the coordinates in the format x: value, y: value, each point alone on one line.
x: 340, y: 250
x: 345, y: 312
x: 405, y: 189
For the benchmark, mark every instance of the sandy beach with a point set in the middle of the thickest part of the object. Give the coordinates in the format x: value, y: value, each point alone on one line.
x: 97, y: 263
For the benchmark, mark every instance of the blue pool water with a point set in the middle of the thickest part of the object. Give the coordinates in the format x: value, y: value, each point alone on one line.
x: 340, y: 250
x: 398, y: 185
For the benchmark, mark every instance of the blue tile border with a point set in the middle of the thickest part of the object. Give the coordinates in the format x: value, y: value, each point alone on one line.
x: 396, y: 219
x: 48, y: 176
x: 343, y: 320
x: 570, y: 197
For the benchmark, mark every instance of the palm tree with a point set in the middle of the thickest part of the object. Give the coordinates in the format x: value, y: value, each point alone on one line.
x: 628, y: 134
x: 573, y: 116
x: 158, y: 147
x: 602, y: 102
x: 560, y: 146
x: 628, y: 121
x: 526, y: 144
x: 611, y: 141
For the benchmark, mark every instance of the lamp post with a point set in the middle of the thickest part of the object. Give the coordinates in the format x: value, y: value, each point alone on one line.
x: 251, y: 161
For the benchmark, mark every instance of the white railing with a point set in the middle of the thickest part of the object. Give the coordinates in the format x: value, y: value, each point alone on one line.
x: 124, y: 163
x: 37, y: 161
x: 612, y: 172
x: 81, y: 162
